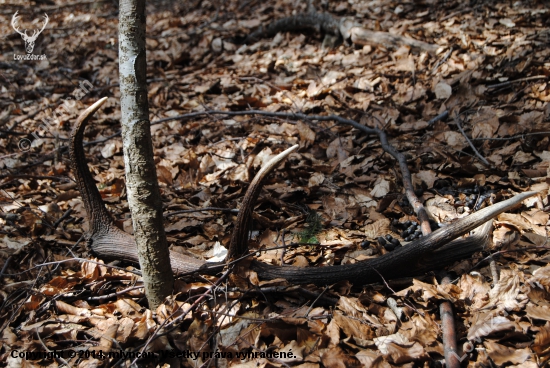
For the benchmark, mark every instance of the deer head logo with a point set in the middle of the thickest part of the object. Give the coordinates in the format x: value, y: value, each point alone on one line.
x: 29, y: 40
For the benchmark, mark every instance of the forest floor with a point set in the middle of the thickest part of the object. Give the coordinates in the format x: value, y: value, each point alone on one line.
x: 335, y: 197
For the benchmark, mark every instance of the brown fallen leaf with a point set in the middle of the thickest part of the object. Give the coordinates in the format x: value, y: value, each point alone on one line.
x: 501, y: 354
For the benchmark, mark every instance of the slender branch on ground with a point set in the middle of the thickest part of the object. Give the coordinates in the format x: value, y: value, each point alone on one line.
x: 40, y: 266
x: 219, y: 209
x: 315, y: 301
x: 18, y: 120
x: 41, y: 177
x: 113, y: 295
x: 518, y: 136
x: 57, y: 357
x: 65, y: 215
x: 439, y: 117
x: 256, y: 79
x: 448, y: 330
x: 393, y: 291
x: 492, y: 255
x: 508, y: 83
x: 8, y: 132
x: 407, y: 181
x: 478, y: 155
x: 6, y: 263
x: 10, y: 155
x: 415, y: 202
x: 443, y: 59
x: 290, y: 289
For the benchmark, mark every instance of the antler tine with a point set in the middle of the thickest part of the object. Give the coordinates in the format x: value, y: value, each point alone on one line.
x: 14, y: 20
x: 36, y: 32
x: 46, y: 19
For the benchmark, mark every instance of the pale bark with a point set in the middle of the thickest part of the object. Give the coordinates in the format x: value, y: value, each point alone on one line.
x: 141, y: 177
x: 362, y: 36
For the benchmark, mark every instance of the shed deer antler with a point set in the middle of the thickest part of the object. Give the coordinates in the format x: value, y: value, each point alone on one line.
x: 108, y: 241
x: 435, y: 250
x: 29, y: 40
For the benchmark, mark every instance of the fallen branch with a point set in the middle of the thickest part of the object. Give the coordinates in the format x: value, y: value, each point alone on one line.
x: 314, y: 21
x: 362, y: 36
x: 518, y: 136
x: 476, y: 152
x: 448, y: 331
x: 344, y: 28
x: 509, y: 83
x: 204, y: 209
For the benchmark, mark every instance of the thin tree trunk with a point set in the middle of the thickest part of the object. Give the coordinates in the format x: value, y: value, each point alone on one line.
x: 141, y: 177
